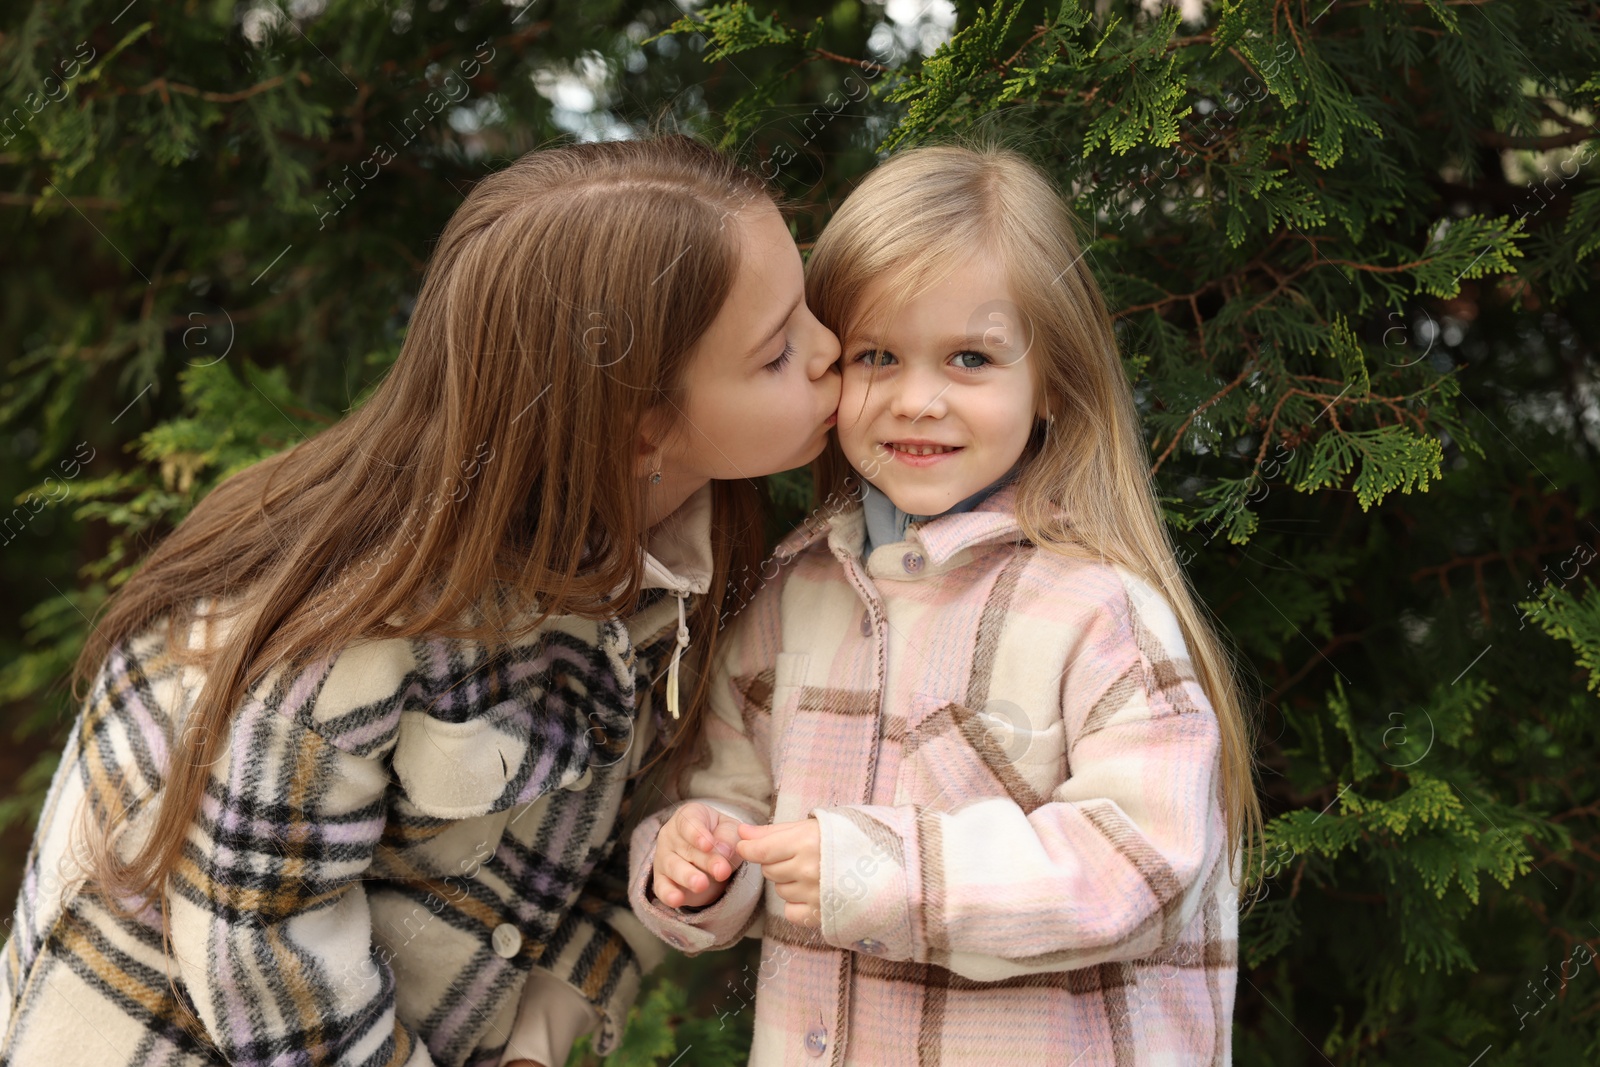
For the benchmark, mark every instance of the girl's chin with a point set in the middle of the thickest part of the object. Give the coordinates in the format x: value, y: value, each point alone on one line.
x: 918, y: 503
x: 802, y: 456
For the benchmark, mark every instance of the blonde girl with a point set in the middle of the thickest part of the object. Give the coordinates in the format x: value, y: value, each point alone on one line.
x: 980, y: 747
x: 346, y: 784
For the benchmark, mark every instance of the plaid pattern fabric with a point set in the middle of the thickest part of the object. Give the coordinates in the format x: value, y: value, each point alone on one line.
x: 1015, y: 772
x: 371, y: 823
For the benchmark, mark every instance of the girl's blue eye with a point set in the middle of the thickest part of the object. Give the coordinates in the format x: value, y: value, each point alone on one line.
x: 960, y: 357
x: 783, y: 357
x: 875, y: 357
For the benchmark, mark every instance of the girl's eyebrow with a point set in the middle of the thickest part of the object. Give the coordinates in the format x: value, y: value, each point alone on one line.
x: 772, y: 333
x: 974, y: 340
x: 950, y: 344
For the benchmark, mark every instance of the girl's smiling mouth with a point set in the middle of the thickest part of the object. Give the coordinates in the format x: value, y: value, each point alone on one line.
x: 919, y: 453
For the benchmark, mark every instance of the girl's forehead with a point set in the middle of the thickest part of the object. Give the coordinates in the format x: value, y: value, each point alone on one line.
x: 970, y: 306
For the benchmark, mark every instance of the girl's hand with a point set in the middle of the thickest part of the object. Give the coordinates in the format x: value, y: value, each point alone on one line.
x: 790, y: 854
x: 695, y: 856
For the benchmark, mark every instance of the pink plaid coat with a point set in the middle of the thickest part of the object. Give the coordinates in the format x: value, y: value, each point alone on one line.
x: 1016, y: 775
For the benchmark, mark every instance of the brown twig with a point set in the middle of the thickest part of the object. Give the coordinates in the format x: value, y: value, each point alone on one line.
x: 1306, y: 668
x: 1038, y: 32
x: 1178, y: 436
x: 864, y: 64
x: 165, y: 88
x: 1496, y: 139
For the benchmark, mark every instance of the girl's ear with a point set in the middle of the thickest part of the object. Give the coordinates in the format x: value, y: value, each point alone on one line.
x: 651, y: 439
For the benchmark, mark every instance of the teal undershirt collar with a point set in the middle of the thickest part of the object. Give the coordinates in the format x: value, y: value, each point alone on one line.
x: 887, y: 524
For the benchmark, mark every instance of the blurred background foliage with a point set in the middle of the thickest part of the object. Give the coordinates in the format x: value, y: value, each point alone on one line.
x: 1349, y: 246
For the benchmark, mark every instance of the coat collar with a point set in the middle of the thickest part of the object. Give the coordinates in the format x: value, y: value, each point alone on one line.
x: 993, y: 521
x: 678, y: 556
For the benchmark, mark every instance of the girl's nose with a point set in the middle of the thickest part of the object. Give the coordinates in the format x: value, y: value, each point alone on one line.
x: 919, y: 395
x: 823, y: 351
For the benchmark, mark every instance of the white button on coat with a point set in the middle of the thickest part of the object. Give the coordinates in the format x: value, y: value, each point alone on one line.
x: 816, y: 1040
x: 912, y: 562
x: 506, y: 940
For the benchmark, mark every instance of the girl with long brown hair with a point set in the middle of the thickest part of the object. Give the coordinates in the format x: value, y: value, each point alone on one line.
x: 977, y: 767
x: 347, y: 781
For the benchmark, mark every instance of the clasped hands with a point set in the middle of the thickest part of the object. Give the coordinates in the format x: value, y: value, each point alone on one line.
x: 699, y: 848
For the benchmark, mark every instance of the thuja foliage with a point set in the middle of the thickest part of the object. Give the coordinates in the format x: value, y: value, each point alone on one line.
x: 1350, y: 249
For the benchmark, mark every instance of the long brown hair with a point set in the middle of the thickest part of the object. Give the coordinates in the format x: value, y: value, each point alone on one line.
x: 910, y: 221
x: 491, y: 472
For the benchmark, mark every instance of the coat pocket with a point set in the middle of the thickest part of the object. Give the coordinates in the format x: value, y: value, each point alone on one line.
x: 828, y: 745
x: 953, y: 754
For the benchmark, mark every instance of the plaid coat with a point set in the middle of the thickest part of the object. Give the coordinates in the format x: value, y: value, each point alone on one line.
x: 1015, y: 772
x: 390, y: 844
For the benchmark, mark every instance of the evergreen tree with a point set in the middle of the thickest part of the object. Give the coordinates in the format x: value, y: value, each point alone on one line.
x: 1349, y: 247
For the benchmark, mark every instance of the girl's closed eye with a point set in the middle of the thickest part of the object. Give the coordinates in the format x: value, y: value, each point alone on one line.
x: 783, y: 357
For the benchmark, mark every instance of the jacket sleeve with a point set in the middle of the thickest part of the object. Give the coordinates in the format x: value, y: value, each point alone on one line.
x: 1112, y: 867
x: 271, y: 930
x: 735, y: 778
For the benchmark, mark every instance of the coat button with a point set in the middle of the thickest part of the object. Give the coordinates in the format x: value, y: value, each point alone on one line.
x: 866, y: 944
x: 582, y: 780
x: 506, y: 940
x: 866, y: 623
x: 816, y: 1040
x: 912, y: 562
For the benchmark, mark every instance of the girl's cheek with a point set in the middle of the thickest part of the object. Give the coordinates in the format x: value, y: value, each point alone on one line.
x: 850, y: 398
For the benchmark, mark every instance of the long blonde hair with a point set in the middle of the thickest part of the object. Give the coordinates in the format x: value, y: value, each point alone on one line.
x: 493, y: 470
x: 910, y: 221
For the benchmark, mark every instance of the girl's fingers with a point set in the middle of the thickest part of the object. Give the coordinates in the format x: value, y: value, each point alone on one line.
x: 687, y: 873
x: 701, y: 826
x: 670, y: 895
x: 756, y: 832
x: 774, y: 848
x: 694, y: 823
x: 727, y: 840
x: 766, y: 849
x: 667, y: 891
x: 786, y: 870
x: 711, y: 862
x: 803, y: 915
x: 679, y: 872
x: 792, y: 892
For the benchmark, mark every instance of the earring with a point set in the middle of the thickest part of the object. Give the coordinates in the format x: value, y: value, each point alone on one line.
x: 655, y: 475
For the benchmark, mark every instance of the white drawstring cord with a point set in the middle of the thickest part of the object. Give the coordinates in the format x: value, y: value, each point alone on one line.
x: 677, y: 654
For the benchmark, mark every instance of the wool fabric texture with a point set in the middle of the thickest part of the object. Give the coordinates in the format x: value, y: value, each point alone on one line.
x: 1015, y: 772
x: 391, y: 842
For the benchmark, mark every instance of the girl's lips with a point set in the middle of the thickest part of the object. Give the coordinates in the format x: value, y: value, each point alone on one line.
x: 911, y: 459
x: 831, y: 419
